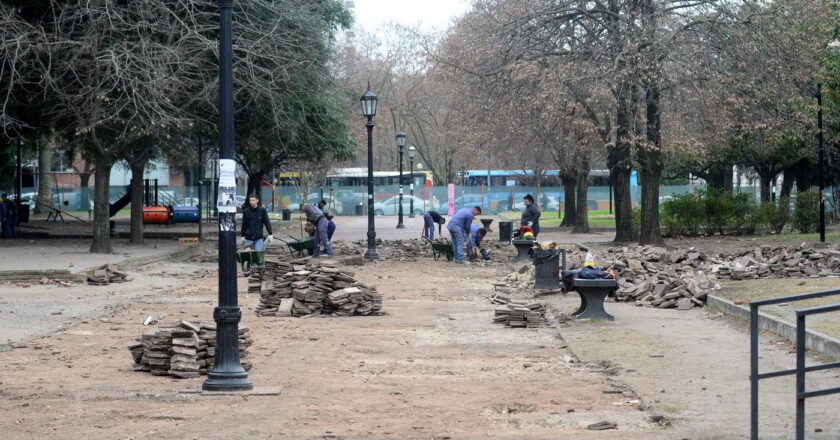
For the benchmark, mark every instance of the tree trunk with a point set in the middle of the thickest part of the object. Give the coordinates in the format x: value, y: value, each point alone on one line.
x: 255, y: 185
x: 787, y: 182
x: 45, y: 197
x: 137, y: 170
x: 569, y: 184
x: 650, y: 158
x: 581, y: 208
x: 765, y: 180
x: 101, y: 203
x: 719, y: 177
x: 619, y: 163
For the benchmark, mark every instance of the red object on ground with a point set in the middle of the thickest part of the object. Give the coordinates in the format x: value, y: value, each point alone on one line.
x: 155, y: 215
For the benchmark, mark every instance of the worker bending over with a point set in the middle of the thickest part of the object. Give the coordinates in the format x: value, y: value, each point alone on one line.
x: 319, y: 220
x: 429, y: 220
x: 459, y: 228
x: 476, y: 234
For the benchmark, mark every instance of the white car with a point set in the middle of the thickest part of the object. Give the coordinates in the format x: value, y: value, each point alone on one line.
x: 390, y: 206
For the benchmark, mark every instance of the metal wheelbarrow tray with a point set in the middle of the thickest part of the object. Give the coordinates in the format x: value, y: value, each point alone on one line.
x: 297, y: 246
x: 439, y: 249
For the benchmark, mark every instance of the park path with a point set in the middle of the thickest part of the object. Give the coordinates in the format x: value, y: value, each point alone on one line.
x: 693, y: 367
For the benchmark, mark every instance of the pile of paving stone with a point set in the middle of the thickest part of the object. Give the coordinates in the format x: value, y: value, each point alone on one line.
x: 517, y: 313
x: 779, y: 262
x: 395, y: 250
x: 655, y: 276
x: 255, y: 279
x: 184, y: 351
x: 313, y: 286
x: 107, y: 274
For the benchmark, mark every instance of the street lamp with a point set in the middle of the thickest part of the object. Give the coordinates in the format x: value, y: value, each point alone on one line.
x: 411, y: 185
x: 369, y: 100
x: 817, y: 94
x: 227, y: 373
x: 401, y: 146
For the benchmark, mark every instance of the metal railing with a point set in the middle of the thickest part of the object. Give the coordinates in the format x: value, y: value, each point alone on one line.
x: 800, y: 369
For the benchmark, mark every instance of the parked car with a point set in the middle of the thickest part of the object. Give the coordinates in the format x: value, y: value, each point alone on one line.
x: 390, y: 206
x: 337, y: 208
x: 189, y: 201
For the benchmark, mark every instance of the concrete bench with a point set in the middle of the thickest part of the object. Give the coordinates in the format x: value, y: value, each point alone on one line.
x: 592, y: 294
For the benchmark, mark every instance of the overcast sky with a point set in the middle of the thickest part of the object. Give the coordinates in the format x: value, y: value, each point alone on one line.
x: 431, y: 14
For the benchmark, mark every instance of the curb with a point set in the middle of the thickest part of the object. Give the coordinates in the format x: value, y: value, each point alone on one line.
x: 816, y: 341
x: 142, y: 261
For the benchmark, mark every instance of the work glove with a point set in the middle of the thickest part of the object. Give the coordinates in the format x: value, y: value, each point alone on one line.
x: 267, y: 241
x: 242, y: 242
x: 530, y: 224
x: 329, y: 217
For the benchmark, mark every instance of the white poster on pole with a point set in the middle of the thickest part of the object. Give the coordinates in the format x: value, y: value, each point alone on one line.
x: 227, y: 186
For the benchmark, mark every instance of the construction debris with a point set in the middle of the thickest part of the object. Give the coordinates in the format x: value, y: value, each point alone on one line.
x: 416, y: 249
x: 520, y: 314
x: 779, y: 262
x: 183, y: 352
x: 106, y: 274
x: 255, y: 279
x: 311, y: 286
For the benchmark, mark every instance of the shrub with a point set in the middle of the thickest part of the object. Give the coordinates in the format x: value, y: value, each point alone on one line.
x: 745, y: 217
x: 776, y: 215
x: 806, y: 212
x: 683, y: 215
x: 718, y: 208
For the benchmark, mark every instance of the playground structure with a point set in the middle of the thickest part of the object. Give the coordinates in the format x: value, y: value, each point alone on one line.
x: 168, y: 212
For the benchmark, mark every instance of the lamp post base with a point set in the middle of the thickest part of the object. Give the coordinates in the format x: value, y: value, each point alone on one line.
x: 227, y: 384
x: 400, y: 226
x: 371, y: 255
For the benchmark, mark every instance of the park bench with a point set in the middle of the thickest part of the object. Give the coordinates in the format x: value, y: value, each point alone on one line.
x: 592, y: 294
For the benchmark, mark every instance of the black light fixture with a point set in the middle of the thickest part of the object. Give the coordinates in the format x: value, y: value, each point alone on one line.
x: 411, y: 185
x: 401, y: 147
x: 227, y: 373
x: 369, y: 101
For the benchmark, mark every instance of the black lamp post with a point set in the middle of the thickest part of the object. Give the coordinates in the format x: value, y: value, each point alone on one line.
x: 227, y: 373
x: 401, y: 146
x: 411, y: 185
x: 369, y: 100
x: 817, y: 93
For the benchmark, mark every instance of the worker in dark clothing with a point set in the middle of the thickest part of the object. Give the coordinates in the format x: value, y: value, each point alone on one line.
x: 10, y: 224
x: 254, y: 218
x: 330, y: 224
x: 531, y: 215
x: 318, y: 219
x: 429, y: 220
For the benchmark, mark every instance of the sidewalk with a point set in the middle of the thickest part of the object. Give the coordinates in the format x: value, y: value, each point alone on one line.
x: 73, y: 254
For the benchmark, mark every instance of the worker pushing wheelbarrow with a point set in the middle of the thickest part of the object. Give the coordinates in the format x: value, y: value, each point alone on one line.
x: 249, y: 257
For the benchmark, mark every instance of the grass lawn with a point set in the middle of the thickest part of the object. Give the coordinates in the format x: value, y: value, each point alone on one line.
x: 597, y: 219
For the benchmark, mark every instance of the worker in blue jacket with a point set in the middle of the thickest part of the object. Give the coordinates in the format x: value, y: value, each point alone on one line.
x: 459, y: 229
x: 476, y: 234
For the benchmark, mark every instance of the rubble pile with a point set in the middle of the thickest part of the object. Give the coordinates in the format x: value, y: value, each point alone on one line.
x: 107, y: 274
x: 414, y: 249
x: 519, y: 313
x: 183, y: 352
x: 779, y: 262
x: 655, y: 276
x: 308, y: 286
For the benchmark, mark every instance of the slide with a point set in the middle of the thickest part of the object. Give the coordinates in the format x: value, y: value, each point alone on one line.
x: 120, y: 203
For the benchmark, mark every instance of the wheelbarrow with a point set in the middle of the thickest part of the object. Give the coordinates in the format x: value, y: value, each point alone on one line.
x: 439, y: 249
x: 299, y: 246
x: 248, y: 257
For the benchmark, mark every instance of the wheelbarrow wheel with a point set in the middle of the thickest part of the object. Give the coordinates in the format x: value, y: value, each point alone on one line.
x: 246, y: 267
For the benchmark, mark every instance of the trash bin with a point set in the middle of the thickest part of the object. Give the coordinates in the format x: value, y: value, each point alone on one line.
x: 505, y: 231
x: 360, y: 209
x: 547, y: 269
x: 287, y: 214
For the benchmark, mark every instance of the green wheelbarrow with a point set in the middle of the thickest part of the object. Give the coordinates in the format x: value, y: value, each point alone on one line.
x: 248, y: 257
x: 299, y: 246
x: 439, y: 249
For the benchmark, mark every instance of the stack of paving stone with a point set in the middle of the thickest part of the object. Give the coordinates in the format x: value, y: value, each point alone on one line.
x: 255, y: 279
x: 186, y: 351
x: 313, y: 287
x: 521, y: 314
x: 184, y: 363
x: 157, y: 344
x: 107, y: 274
x: 779, y: 262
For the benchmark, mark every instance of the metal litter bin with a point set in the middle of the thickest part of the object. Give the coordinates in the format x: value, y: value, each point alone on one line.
x: 505, y: 231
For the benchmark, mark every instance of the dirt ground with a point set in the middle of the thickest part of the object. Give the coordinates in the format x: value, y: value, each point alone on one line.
x: 434, y: 367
